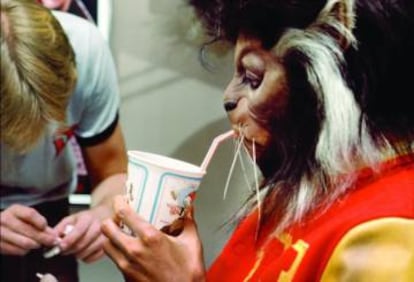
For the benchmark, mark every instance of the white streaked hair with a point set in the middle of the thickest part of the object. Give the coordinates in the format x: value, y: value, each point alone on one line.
x: 344, y: 143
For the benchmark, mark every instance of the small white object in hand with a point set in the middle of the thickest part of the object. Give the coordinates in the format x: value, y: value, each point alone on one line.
x: 47, y: 277
x: 56, y: 249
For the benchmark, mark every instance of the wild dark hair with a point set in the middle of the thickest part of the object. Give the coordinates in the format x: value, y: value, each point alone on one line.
x: 379, y: 65
x: 350, y: 61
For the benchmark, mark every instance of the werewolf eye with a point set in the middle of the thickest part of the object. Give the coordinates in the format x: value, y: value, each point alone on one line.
x: 251, y: 79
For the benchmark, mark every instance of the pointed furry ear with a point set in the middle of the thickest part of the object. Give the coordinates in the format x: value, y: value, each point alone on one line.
x: 338, y: 19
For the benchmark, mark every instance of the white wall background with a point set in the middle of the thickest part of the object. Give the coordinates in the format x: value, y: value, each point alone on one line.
x: 171, y: 105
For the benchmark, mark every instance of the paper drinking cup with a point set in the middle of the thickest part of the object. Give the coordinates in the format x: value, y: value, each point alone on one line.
x: 159, y: 188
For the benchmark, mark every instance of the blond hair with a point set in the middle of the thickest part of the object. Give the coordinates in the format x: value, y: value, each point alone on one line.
x: 38, y: 72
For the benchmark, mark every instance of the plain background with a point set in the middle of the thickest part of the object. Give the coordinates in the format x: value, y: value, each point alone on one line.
x: 171, y: 105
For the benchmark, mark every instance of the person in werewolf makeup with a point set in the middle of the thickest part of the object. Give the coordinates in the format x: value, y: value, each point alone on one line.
x: 321, y: 94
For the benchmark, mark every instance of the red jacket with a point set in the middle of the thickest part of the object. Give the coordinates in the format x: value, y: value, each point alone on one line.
x: 367, y: 235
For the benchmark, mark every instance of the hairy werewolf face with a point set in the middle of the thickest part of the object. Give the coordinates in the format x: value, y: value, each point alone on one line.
x: 260, y: 107
x: 289, y: 98
x: 320, y: 89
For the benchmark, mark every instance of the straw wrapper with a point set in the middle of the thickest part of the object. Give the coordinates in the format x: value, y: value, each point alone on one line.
x: 56, y: 249
x: 47, y: 277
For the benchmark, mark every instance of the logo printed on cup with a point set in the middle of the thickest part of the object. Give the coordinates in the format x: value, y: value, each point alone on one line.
x: 176, y: 194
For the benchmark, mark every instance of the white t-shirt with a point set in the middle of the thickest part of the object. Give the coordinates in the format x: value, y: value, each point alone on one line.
x: 48, y: 172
